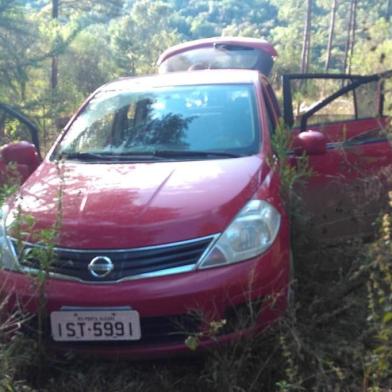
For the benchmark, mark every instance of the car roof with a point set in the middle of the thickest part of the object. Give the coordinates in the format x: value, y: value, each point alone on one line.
x: 188, y: 78
x: 255, y: 43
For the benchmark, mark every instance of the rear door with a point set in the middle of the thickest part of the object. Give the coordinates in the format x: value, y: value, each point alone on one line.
x: 351, y: 180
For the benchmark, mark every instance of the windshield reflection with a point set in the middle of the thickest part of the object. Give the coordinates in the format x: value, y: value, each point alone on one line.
x: 214, y: 118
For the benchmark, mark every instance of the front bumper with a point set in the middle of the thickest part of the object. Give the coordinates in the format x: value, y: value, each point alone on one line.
x: 213, y: 294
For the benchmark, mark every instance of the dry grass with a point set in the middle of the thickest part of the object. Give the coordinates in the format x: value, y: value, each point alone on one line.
x: 336, y: 337
x: 322, y: 344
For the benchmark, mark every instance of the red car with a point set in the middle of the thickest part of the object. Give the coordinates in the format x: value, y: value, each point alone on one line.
x: 165, y: 195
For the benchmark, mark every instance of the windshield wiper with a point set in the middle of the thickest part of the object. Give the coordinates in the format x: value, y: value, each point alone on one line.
x: 194, y: 154
x: 83, y: 156
x: 109, y: 156
x: 156, y: 155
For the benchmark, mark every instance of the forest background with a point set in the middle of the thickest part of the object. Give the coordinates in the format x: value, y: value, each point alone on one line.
x: 54, y: 53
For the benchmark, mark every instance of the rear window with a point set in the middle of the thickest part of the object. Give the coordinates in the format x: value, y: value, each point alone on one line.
x: 221, y: 56
x: 192, y: 118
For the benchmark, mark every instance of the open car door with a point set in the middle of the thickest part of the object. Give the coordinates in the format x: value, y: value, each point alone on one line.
x: 17, y: 159
x: 353, y: 173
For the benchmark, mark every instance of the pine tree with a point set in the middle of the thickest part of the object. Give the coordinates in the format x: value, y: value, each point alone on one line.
x: 331, y: 34
x: 306, y: 40
x: 54, y: 73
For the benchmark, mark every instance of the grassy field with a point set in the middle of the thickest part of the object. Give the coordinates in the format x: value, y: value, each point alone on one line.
x: 336, y: 337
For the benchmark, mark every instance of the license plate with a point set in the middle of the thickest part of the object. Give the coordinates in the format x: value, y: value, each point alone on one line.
x: 95, y: 325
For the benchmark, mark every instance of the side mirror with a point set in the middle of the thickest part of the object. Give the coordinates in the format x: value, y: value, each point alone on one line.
x: 310, y: 142
x: 22, y: 153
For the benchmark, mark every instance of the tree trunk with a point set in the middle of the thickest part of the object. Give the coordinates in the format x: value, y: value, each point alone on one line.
x: 55, y: 9
x: 331, y: 32
x: 305, y: 56
x: 3, y: 117
x: 389, y: 11
x: 54, y: 72
x: 353, y: 30
x: 348, y: 40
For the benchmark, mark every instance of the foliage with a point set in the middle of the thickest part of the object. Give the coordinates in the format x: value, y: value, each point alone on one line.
x: 290, y: 174
x: 146, y: 26
x: 12, y: 183
x: 336, y: 338
x: 374, y: 53
x: 97, y: 41
x: 17, y: 36
x: 378, y: 365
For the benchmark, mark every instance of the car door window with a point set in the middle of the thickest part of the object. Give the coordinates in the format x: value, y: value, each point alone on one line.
x: 324, y: 99
x: 12, y: 130
x: 341, y: 109
x: 366, y: 99
x: 15, y: 126
x: 360, y: 103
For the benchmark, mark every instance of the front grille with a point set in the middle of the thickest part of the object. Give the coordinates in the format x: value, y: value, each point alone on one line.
x: 125, y: 263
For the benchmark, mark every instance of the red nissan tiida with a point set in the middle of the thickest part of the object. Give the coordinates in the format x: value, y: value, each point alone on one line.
x: 160, y: 207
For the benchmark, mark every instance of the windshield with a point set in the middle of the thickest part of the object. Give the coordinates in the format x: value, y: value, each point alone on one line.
x: 203, y: 121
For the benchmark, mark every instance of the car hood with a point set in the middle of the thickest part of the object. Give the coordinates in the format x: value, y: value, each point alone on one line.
x: 126, y: 205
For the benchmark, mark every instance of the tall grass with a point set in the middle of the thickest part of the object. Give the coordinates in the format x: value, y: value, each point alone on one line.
x: 337, y: 336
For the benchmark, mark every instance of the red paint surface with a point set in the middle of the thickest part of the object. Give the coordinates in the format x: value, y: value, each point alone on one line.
x: 108, y: 206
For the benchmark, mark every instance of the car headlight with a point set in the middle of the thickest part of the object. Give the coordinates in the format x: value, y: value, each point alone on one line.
x: 250, y: 234
x: 8, y: 258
